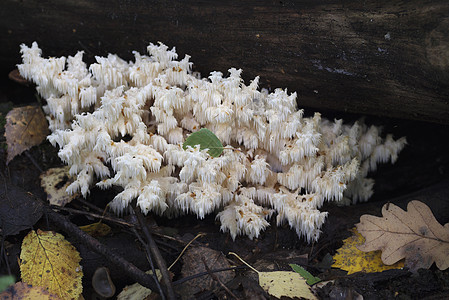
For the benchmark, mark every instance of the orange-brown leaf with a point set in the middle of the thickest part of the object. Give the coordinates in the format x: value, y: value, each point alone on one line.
x: 14, y: 75
x: 414, y: 234
x: 25, y: 127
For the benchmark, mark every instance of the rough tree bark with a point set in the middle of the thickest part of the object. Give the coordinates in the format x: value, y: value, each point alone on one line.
x: 386, y: 58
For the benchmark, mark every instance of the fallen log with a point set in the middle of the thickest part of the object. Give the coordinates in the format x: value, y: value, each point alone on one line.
x: 386, y: 59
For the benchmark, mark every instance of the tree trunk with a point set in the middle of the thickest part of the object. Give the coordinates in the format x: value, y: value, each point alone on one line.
x: 385, y: 58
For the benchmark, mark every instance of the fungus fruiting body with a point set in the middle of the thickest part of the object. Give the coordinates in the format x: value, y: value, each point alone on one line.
x: 123, y: 124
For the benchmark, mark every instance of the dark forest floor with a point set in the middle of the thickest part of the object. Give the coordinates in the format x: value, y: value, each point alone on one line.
x: 422, y: 172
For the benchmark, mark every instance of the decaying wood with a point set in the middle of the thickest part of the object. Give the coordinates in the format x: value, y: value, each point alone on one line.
x: 388, y: 58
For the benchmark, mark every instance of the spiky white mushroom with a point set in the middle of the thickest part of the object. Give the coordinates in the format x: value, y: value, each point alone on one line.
x: 122, y: 124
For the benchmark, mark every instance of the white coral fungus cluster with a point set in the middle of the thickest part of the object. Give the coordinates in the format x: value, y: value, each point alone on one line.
x: 122, y: 124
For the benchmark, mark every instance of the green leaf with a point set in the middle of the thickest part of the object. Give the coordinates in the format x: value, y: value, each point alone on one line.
x: 207, y: 140
x: 310, y: 279
x: 5, y: 281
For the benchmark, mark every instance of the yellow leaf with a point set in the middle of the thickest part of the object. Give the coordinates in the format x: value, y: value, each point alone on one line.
x: 55, y: 182
x: 282, y: 283
x: 96, y: 229
x: 48, y: 260
x: 25, y: 127
x: 285, y: 283
x: 414, y: 234
x: 21, y: 290
x: 136, y: 291
x: 351, y: 259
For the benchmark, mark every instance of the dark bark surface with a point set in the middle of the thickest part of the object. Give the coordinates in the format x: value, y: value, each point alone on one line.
x: 386, y: 58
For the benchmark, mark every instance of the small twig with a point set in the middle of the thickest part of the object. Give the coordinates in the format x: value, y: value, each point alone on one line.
x: 318, y: 251
x: 169, y: 238
x: 91, y: 206
x: 33, y: 161
x: 156, y: 255
x: 150, y: 260
x: 215, y: 277
x: 103, y: 212
x: 92, y: 243
x: 311, y: 251
x: 167, y: 245
x: 248, y: 265
x: 185, y: 248
x: 182, y: 280
x: 94, y: 215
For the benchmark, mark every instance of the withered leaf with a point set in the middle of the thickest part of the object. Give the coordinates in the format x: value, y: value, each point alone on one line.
x: 55, y: 182
x: 193, y: 264
x: 96, y: 229
x: 414, y: 234
x: 136, y: 291
x: 25, y: 127
x: 19, y: 209
x: 14, y: 75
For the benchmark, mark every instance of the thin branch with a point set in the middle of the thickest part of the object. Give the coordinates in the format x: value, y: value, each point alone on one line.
x: 94, y: 215
x: 215, y: 277
x: 185, y: 248
x: 150, y: 260
x: 185, y: 279
x: 91, y: 206
x: 33, y: 161
x: 156, y: 255
x: 93, y: 244
x: 105, y: 213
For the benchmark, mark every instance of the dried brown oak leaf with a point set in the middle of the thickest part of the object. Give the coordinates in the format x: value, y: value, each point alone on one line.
x: 414, y: 234
x: 25, y: 127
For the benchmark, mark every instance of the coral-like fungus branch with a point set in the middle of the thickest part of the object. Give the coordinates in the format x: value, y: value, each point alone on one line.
x: 123, y: 123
